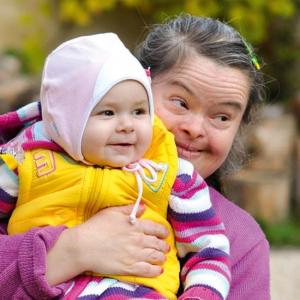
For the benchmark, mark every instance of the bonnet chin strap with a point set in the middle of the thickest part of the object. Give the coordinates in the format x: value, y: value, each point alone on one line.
x: 137, y: 168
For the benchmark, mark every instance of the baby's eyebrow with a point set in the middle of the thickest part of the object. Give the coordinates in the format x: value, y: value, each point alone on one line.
x: 142, y: 102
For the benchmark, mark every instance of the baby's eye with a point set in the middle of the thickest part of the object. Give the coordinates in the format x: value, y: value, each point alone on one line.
x: 140, y: 111
x: 106, y: 113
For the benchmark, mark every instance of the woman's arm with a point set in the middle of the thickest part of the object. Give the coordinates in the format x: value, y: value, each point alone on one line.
x: 22, y: 264
x: 107, y: 243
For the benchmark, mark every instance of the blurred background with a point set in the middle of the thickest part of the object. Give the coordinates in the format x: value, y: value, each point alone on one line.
x: 268, y: 187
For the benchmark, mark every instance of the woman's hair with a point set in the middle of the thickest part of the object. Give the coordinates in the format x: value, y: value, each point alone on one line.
x: 170, y: 43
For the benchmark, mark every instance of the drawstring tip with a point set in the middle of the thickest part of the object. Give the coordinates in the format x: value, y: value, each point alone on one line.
x: 137, y: 169
x: 132, y: 219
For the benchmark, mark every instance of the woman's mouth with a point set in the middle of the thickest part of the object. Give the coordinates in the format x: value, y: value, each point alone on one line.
x: 186, y: 151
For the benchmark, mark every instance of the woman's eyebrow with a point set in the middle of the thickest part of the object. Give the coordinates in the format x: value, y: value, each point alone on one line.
x: 181, y: 84
x: 234, y: 104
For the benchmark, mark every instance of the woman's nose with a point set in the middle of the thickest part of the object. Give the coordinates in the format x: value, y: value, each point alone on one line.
x: 193, y: 126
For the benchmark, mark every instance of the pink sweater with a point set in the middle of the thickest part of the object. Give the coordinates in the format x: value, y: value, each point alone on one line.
x: 22, y: 263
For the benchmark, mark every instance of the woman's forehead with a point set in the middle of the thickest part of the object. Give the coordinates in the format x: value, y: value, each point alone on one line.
x: 211, y: 69
x: 202, y: 77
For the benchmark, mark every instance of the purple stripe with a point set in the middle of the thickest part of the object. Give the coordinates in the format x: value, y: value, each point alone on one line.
x: 187, y: 217
x: 189, y: 190
x: 90, y: 297
x: 211, y: 253
x: 5, y: 197
x: 184, y: 178
x: 140, y: 292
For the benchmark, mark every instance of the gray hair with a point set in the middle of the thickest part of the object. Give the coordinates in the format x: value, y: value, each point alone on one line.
x: 170, y: 43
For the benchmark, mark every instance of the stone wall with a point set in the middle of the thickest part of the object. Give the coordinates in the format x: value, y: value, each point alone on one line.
x: 268, y: 187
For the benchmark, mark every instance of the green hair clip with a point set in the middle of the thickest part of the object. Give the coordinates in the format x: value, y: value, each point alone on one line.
x: 252, y: 55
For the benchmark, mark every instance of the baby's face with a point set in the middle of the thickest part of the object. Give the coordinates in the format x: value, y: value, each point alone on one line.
x: 119, y: 129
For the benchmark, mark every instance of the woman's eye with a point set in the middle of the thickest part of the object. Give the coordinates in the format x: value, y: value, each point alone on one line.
x: 106, y: 113
x: 222, y: 118
x: 179, y: 103
x: 221, y: 121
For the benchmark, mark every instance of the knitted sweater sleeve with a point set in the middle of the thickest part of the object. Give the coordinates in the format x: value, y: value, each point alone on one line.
x: 23, y: 264
x: 9, y: 187
x: 200, y: 237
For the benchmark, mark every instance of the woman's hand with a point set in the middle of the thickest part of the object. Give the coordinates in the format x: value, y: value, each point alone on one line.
x: 108, y: 244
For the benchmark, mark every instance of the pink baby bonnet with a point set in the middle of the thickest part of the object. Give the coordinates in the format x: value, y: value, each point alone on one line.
x: 77, y: 74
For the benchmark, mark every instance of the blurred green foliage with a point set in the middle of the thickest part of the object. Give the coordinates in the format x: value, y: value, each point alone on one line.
x: 251, y: 17
x: 81, y: 12
x: 33, y: 51
x: 31, y: 55
x: 283, y: 234
x: 266, y: 24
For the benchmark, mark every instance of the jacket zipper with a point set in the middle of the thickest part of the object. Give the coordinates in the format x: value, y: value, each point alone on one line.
x: 94, y: 192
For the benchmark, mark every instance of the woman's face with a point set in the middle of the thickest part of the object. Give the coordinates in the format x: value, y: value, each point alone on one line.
x: 202, y: 103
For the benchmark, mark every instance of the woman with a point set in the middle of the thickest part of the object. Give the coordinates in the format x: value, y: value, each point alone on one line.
x: 206, y: 84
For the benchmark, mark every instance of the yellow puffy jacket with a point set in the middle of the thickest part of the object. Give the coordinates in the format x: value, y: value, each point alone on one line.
x: 55, y: 190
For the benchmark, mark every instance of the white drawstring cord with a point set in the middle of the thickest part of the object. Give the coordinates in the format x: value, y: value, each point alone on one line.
x: 138, y: 169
